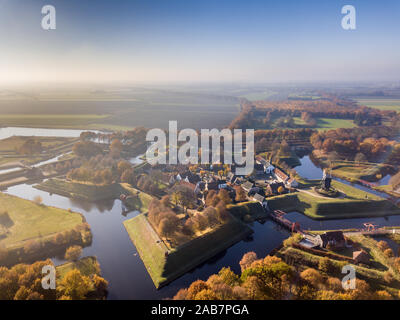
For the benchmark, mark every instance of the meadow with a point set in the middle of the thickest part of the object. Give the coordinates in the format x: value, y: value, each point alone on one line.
x: 327, y: 123
x: 381, y: 103
x: 30, y: 220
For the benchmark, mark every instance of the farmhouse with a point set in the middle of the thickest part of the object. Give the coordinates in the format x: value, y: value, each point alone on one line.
x: 247, y: 186
x: 259, y: 168
x: 281, y: 176
x: 361, y: 257
x: 259, y: 198
x: 292, y: 183
x: 268, y: 168
x: 331, y: 238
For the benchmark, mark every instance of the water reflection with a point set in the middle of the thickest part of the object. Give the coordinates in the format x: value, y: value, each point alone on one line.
x: 119, y: 260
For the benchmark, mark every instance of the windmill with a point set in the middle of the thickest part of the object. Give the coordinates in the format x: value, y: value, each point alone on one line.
x: 326, y: 179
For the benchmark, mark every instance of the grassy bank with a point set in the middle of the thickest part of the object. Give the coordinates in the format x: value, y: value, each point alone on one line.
x: 87, y: 266
x: 32, y: 221
x: 89, y: 192
x: 138, y: 200
x: 356, y: 204
x: 164, y: 269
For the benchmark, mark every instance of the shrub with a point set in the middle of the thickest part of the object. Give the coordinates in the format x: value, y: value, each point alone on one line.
x: 73, y: 253
x: 38, y: 199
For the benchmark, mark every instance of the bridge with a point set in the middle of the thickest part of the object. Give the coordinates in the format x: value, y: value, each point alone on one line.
x: 278, y: 217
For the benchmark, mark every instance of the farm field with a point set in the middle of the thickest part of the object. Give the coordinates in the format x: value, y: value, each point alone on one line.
x: 119, y: 110
x: 50, y: 120
x: 381, y: 104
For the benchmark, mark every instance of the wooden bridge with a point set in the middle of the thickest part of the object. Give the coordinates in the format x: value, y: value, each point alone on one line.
x: 278, y: 217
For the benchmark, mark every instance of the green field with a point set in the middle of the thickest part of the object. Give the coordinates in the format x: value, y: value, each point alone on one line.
x: 31, y: 220
x: 381, y: 104
x: 180, y: 260
x: 139, y: 201
x: 87, y: 266
x: 327, y: 123
x: 354, y: 205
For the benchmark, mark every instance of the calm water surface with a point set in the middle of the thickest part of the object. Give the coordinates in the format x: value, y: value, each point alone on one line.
x: 119, y: 261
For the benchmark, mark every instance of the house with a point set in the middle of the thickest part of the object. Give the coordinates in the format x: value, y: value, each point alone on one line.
x: 254, y: 191
x: 283, y: 177
x: 259, y: 168
x: 292, y: 183
x: 331, y: 238
x: 361, y: 257
x: 171, y: 180
x: 274, y: 187
x: 189, y: 185
x: 268, y: 168
x: 212, y: 185
x: 231, y: 177
x: 259, y: 198
x: 247, y: 186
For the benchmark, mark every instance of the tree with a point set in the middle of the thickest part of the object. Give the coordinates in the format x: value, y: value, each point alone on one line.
x: 116, y: 148
x: 168, y: 226
x: 37, y: 199
x: 127, y: 176
x: 74, y: 285
x: 360, y: 157
x: 176, y: 197
x: 223, y: 194
x: 240, y: 194
x: 383, y: 245
x: 312, y: 276
x: 122, y: 166
x: 388, y: 253
x: 247, y: 259
x: 73, y: 253
x: 325, y: 265
x: 86, y: 149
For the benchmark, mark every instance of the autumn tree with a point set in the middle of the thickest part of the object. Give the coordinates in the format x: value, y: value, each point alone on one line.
x: 73, y: 253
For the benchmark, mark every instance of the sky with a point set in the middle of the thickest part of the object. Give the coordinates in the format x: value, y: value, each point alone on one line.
x: 130, y: 41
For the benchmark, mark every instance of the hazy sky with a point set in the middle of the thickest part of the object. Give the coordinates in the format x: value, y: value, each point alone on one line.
x: 198, y: 40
